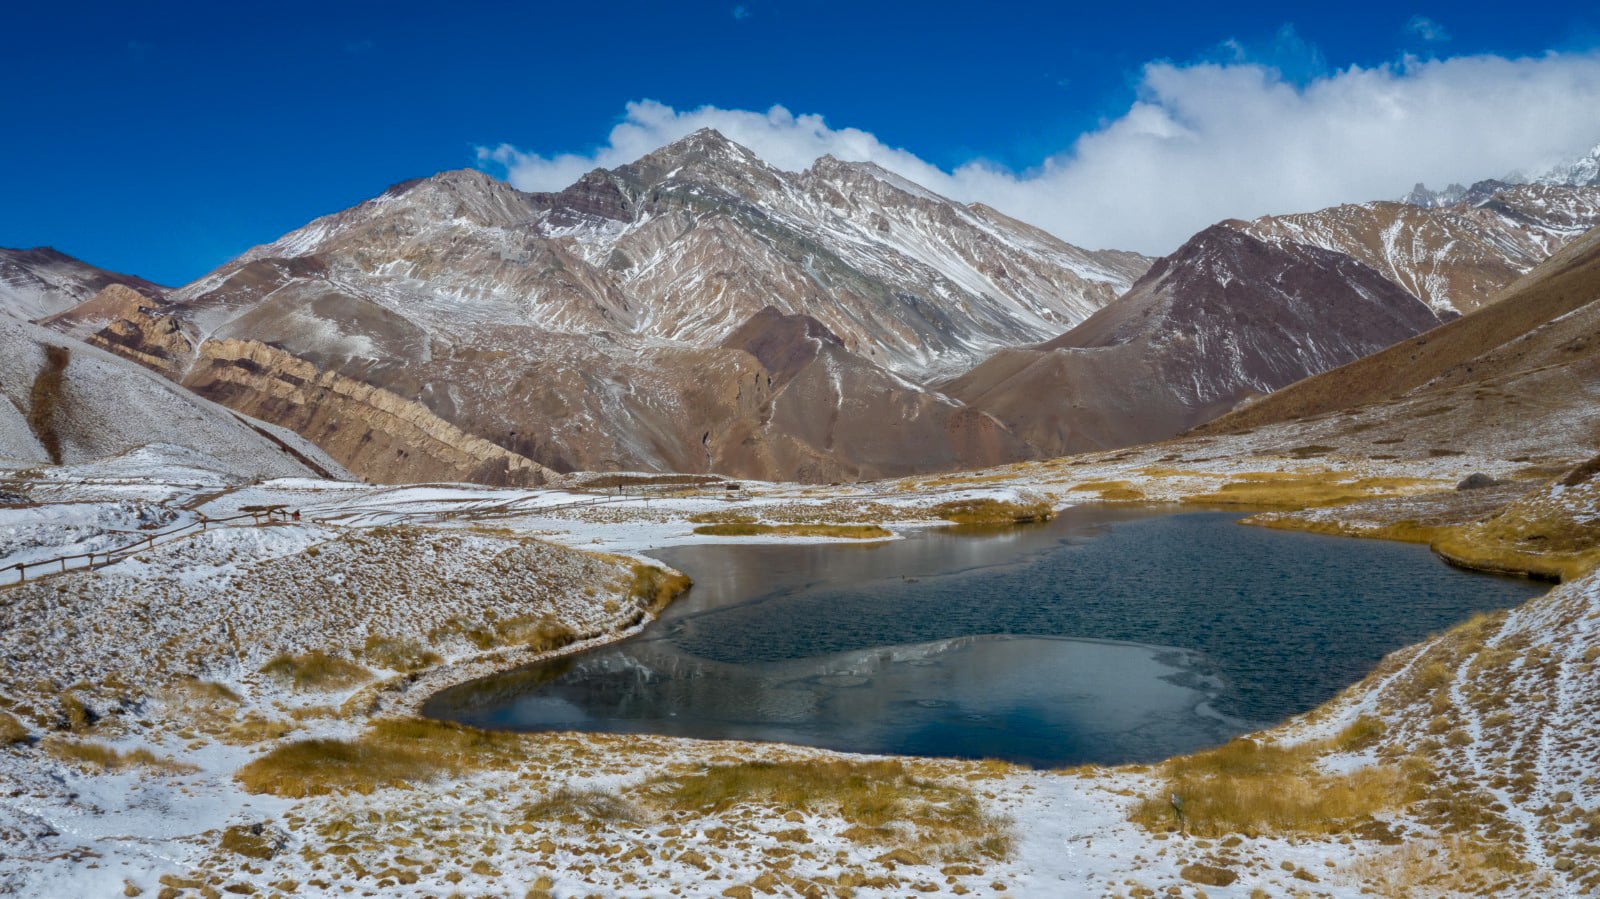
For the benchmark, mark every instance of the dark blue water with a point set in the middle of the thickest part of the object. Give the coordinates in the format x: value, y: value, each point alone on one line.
x: 1105, y: 636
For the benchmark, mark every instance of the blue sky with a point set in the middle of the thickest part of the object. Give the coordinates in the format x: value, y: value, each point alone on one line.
x: 163, y: 138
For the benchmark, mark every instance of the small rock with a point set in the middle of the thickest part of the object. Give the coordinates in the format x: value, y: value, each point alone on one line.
x: 900, y: 856
x: 1476, y: 481
x: 1208, y: 875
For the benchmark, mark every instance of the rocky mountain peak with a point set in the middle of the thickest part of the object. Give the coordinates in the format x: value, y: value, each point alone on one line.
x: 1584, y: 171
x: 704, y: 155
x: 463, y: 193
x: 881, y: 183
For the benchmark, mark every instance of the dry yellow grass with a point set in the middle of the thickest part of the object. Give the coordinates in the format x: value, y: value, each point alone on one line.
x: 77, y: 715
x: 252, y: 729
x: 1400, y: 531
x: 11, y: 730
x: 1538, y: 535
x: 724, y: 517
x: 317, y: 767
x: 250, y: 841
x: 576, y: 806
x: 316, y: 670
x: 1549, y: 534
x: 1257, y: 789
x: 393, y: 752
x: 1112, y: 491
x: 1444, y: 867
x: 398, y: 654
x: 754, y: 529
x: 206, y: 692
x: 1291, y: 490
x: 992, y: 511
x: 109, y: 758
x: 881, y: 800
x: 656, y: 587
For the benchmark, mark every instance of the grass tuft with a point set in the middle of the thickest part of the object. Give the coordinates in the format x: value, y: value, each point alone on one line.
x: 754, y: 529
x: 881, y: 801
x: 11, y: 730
x: 316, y: 670
x: 321, y: 766
x: 398, y: 654
x: 993, y: 511
x: 1261, y: 789
x: 109, y: 758
x: 1112, y: 491
x: 1303, y: 490
x: 394, y: 752
x: 575, y: 806
x: 655, y: 587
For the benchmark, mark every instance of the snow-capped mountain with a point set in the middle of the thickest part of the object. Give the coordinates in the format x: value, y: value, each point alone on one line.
x: 1583, y: 171
x: 1225, y: 317
x: 457, y: 327
x: 690, y: 241
x: 1456, y: 249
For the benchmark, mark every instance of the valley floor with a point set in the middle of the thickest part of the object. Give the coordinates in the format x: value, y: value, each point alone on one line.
x: 229, y: 708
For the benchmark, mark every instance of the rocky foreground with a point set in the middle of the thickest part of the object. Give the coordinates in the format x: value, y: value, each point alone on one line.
x: 228, y: 710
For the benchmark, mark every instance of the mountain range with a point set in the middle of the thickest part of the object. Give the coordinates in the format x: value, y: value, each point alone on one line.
x: 702, y: 311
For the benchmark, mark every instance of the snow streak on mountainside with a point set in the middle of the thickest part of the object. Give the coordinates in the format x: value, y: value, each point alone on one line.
x: 1453, y: 250
x: 41, y: 282
x: 690, y: 241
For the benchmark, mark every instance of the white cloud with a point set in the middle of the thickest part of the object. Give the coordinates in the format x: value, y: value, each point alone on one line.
x: 1202, y: 143
x: 1427, y: 29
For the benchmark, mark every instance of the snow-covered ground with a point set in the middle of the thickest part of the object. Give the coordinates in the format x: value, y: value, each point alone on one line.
x: 164, y: 651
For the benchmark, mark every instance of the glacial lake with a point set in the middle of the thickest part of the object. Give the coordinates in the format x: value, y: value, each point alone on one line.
x: 1104, y: 636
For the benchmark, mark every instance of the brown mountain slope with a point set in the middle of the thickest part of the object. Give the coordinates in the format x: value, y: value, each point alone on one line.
x: 43, y: 281
x: 830, y: 414
x: 1225, y: 316
x: 1547, y: 319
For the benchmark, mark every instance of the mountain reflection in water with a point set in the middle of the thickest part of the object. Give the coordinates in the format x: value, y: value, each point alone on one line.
x: 1106, y: 636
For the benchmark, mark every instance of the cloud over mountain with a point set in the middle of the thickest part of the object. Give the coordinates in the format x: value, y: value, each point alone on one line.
x: 1201, y: 142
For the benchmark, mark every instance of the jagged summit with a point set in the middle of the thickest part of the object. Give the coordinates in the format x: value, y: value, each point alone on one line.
x: 1583, y: 171
x: 705, y: 155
